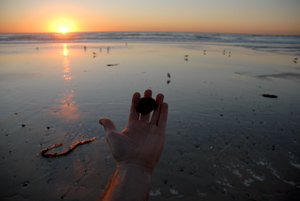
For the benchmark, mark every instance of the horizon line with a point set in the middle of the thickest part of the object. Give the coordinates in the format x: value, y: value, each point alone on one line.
x: 249, y: 33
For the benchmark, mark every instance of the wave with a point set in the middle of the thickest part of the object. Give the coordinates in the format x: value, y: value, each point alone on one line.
x: 278, y: 43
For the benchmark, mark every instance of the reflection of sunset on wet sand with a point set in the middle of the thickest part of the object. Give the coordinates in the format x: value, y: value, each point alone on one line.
x: 65, y: 50
x: 67, y: 108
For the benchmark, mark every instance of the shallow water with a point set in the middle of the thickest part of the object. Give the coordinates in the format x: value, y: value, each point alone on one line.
x: 224, y: 141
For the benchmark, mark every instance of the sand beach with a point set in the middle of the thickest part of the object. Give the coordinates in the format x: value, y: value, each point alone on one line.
x: 224, y: 140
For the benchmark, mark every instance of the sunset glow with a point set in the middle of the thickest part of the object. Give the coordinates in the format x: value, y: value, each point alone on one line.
x: 63, y: 26
x: 232, y: 16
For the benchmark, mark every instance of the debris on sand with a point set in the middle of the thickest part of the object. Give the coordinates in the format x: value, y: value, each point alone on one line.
x: 269, y: 96
x: 112, y: 64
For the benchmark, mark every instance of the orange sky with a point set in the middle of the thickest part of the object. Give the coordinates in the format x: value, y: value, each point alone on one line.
x: 234, y: 16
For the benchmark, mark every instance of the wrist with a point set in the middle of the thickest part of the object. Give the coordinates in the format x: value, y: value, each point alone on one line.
x: 134, y: 170
x: 129, y: 183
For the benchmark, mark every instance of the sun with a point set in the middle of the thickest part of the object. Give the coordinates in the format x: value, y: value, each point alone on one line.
x: 63, y: 25
x: 63, y: 29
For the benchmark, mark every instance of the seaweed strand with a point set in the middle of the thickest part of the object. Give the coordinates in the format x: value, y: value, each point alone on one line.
x: 43, y: 153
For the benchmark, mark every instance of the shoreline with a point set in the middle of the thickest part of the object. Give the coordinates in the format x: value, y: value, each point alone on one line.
x: 288, y: 44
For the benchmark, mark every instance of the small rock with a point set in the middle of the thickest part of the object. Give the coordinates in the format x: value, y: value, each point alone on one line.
x: 23, y: 125
x: 145, y: 105
x: 26, y: 184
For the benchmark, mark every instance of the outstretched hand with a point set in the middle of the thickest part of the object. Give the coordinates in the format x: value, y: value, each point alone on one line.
x: 141, y: 142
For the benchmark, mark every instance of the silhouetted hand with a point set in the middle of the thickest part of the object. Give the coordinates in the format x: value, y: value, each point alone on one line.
x: 136, y: 150
x: 140, y: 144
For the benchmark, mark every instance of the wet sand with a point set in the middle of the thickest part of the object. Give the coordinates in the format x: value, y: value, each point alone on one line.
x: 224, y: 140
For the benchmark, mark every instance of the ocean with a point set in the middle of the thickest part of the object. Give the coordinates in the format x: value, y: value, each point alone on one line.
x: 283, y: 44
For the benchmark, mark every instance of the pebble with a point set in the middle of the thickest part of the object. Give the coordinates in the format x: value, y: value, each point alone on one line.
x: 145, y: 105
x: 26, y: 184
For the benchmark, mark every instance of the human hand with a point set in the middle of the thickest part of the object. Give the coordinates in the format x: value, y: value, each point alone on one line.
x: 141, y: 142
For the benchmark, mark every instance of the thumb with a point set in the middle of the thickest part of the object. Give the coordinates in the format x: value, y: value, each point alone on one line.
x: 108, y: 125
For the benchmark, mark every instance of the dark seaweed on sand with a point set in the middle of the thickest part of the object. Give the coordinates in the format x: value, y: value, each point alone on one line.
x: 269, y: 96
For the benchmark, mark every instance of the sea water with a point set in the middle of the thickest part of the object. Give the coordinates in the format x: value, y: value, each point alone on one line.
x: 287, y: 44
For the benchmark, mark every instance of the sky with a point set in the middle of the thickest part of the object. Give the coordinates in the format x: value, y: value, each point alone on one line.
x: 225, y: 16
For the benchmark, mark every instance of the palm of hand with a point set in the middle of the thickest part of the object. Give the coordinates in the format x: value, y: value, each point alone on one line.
x: 141, y: 142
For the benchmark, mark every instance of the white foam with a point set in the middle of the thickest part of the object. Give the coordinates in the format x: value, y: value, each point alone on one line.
x: 247, y: 182
x: 173, y: 191
x: 295, y: 165
x: 259, y: 178
x: 237, y: 173
x: 201, y: 194
x: 290, y: 182
x: 155, y: 193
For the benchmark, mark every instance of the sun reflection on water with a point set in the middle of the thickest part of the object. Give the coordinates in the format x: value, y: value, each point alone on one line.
x: 65, y: 50
x: 67, y: 108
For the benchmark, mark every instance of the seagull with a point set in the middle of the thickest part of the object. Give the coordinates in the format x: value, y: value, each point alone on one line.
x: 186, y: 55
x: 296, y: 59
x: 169, y: 76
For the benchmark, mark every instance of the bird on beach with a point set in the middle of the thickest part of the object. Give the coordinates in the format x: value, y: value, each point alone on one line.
x: 186, y: 57
x: 169, y: 76
x: 295, y: 60
x: 204, y: 52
